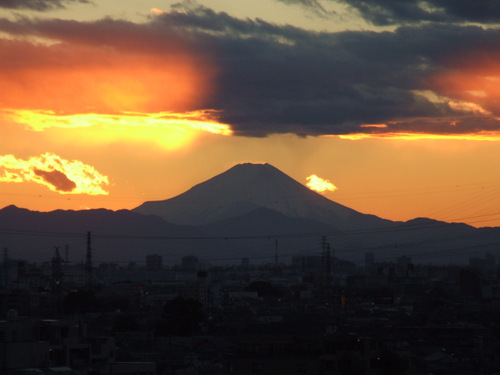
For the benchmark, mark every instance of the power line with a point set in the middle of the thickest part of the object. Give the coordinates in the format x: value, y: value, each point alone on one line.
x: 396, y: 227
x: 20, y: 232
x: 219, y: 237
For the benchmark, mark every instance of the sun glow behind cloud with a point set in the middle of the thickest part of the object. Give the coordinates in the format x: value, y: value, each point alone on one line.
x: 103, y: 67
x: 171, y: 131
x: 125, y: 85
x: 319, y: 184
x: 476, y: 80
x: 59, y: 175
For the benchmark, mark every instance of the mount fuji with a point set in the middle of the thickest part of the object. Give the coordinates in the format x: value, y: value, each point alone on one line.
x: 242, y: 212
x: 247, y: 187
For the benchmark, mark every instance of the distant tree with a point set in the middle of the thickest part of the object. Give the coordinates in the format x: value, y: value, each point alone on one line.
x: 181, y: 317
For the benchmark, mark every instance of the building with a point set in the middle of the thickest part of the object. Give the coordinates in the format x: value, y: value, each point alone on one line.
x: 154, y: 262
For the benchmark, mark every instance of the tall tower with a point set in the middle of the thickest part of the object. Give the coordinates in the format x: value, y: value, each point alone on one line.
x: 57, y: 273
x: 57, y: 281
x: 88, y: 262
x: 327, y: 260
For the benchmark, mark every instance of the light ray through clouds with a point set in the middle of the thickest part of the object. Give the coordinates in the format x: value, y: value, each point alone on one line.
x: 59, y: 175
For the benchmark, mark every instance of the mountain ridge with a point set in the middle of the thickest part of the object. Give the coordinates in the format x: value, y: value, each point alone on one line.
x: 247, y: 186
x: 277, y: 208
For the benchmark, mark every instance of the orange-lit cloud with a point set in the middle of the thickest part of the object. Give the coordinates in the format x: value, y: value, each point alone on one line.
x: 474, y: 77
x: 120, y: 84
x: 54, y: 172
x: 171, y: 131
x: 106, y: 81
x: 319, y: 184
x: 100, y: 67
x: 380, y: 126
x: 477, y: 126
x: 457, y: 105
x: 478, y: 136
x: 157, y: 11
x: 40, y: 120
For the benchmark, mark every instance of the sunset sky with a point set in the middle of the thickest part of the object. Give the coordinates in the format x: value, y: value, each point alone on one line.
x: 110, y: 103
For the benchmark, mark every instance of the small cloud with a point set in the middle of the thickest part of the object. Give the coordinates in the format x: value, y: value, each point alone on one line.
x: 54, y: 172
x: 157, y: 11
x: 57, y: 179
x: 319, y: 184
x: 313, y: 5
x: 379, y: 126
x: 470, y: 107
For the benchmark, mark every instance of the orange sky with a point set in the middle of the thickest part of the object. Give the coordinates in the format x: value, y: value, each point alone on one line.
x: 88, y: 122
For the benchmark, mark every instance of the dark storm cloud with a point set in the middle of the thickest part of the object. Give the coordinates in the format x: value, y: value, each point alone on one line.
x: 38, y: 5
x: 57, y: 179
x: 390, y: 12
x: 282, y: 79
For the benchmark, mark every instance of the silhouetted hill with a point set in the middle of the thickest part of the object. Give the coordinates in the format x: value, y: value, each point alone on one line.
x: 427, y: 240
x: 116, y: 235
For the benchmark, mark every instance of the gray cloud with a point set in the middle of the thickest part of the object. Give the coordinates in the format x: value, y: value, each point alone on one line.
x: 312, y: 5
x: 282, y: 79
x: 391, y: 12
x: 38, y: 5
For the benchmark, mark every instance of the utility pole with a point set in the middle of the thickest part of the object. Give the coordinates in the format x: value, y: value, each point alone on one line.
x: 6, y: 268
x: 276, y: 252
